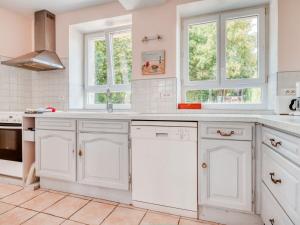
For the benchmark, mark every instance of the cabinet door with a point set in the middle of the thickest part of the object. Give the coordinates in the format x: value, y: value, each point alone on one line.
x: 55, y: 154
x: 225, y: 170
x: 103, y: 160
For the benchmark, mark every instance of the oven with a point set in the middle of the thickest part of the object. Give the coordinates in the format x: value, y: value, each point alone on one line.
x: 11, y: 142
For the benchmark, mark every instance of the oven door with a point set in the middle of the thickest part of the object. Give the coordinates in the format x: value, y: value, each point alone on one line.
x: 11, y: 142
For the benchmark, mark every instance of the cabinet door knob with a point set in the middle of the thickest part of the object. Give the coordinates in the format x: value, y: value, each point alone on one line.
x: 278, y: 181
x: 272, y: 221
x: 80, y: 153
x: 275, y: 143
x: 204, y: 165
x: 224, y: 134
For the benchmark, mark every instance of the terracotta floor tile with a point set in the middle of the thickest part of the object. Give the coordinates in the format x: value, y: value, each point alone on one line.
x: 80, y: 196
x: 44, y: 219
x: 4, y: 207
x: 58, y: 192
x: 155, y: 218
x: 42, y: 201
x: 21, y: 197
x: 93, y: 213
x: 69, y: 222
x: 124, y: 216
x: 105, y: 201
x: 194, y: 222
x: 16, y: 216
x: 66, y: 207
x: 131, y: 207
x: 7, y: 189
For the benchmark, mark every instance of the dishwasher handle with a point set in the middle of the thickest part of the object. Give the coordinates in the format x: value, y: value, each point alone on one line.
x: 161, y: 134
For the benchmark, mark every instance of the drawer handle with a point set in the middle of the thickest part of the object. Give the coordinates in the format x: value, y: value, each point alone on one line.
x: 275, y: 143
x: 225, y: 134
x: 204, y: 165
x: 80, y: 153
x: 272, y: 221
x: 278, y: 181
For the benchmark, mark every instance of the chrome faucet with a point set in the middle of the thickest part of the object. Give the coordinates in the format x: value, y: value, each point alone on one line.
x: 109, y: 104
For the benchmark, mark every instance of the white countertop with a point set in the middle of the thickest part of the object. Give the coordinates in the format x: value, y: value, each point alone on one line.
x: 286, y: 123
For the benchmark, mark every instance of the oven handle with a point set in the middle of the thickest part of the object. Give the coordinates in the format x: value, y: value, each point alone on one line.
x: 10, y: 128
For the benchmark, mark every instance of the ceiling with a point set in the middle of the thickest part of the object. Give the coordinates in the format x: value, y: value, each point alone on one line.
x: 55, y: 6
x: 136, y: 4
x: 60, y: 6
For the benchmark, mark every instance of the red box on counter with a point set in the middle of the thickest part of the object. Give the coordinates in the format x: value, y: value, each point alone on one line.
x: 189, y: 106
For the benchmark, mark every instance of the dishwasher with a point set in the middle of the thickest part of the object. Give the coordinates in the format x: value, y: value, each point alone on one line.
x: 164, y: 163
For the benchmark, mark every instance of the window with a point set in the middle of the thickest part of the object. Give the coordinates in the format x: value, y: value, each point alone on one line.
x: 108, y: 65
x: 224, y: 60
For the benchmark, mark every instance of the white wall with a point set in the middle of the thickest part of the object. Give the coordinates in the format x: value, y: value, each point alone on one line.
x: 76, y: 69
x: 149, y: 21
x: 289, y: 35
x: 16, y: 33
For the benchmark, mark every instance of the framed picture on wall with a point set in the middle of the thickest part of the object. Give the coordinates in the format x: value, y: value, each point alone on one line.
x: 153, y: 62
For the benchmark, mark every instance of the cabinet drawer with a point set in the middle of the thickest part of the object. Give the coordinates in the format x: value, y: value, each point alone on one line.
x: 283, y: 179
x: 286, y: 144
x: 55, y: 124
x: 271, y: 212
x: 231, y: 131
x: 103, y: 126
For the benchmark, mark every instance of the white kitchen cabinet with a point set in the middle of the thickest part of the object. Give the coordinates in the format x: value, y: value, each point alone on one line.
x: 285, y: 144
x: 225, y: 170
x: 271, y: 211
x: 56, y: 154
x: 282, y: 178
x: 226, y: 131
x: 103, y: 160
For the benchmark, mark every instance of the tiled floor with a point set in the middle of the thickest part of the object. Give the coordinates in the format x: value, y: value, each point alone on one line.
x: 42, y: 207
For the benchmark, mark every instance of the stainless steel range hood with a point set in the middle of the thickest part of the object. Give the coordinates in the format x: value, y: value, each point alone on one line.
x: 44, y: 57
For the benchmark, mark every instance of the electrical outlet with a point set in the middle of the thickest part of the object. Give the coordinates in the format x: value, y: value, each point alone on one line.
x: 289, y: 91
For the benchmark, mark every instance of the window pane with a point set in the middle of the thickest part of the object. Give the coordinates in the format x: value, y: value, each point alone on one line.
x: 242, y: 48
x: 100, y: 64
x: 226, y: 96
x: 122, y: 57
x: 203, y: 51
x: 101, y: 98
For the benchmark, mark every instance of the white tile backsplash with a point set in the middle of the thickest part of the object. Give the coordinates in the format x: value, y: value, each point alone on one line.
x: 21, y: 89
x: 15, y: 88
x: 154, y: 95
x: 287, y: 80
x: 51, y: 88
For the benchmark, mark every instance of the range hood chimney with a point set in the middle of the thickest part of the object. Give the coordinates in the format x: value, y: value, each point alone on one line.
x: 44, y: 57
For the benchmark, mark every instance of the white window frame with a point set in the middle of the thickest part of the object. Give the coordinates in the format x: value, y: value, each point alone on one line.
x: 107, y: 35
x: 221, y: 82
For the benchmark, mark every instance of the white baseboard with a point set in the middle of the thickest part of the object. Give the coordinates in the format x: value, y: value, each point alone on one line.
x: 165, y: 209
x: 228, y: 217
x: 11, y: 180
x: 86, y: 190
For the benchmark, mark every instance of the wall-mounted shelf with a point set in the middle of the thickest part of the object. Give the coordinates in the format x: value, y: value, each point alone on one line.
x: 152, y: 38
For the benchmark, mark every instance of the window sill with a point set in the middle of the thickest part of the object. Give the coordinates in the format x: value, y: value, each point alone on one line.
x: 227, y: 111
